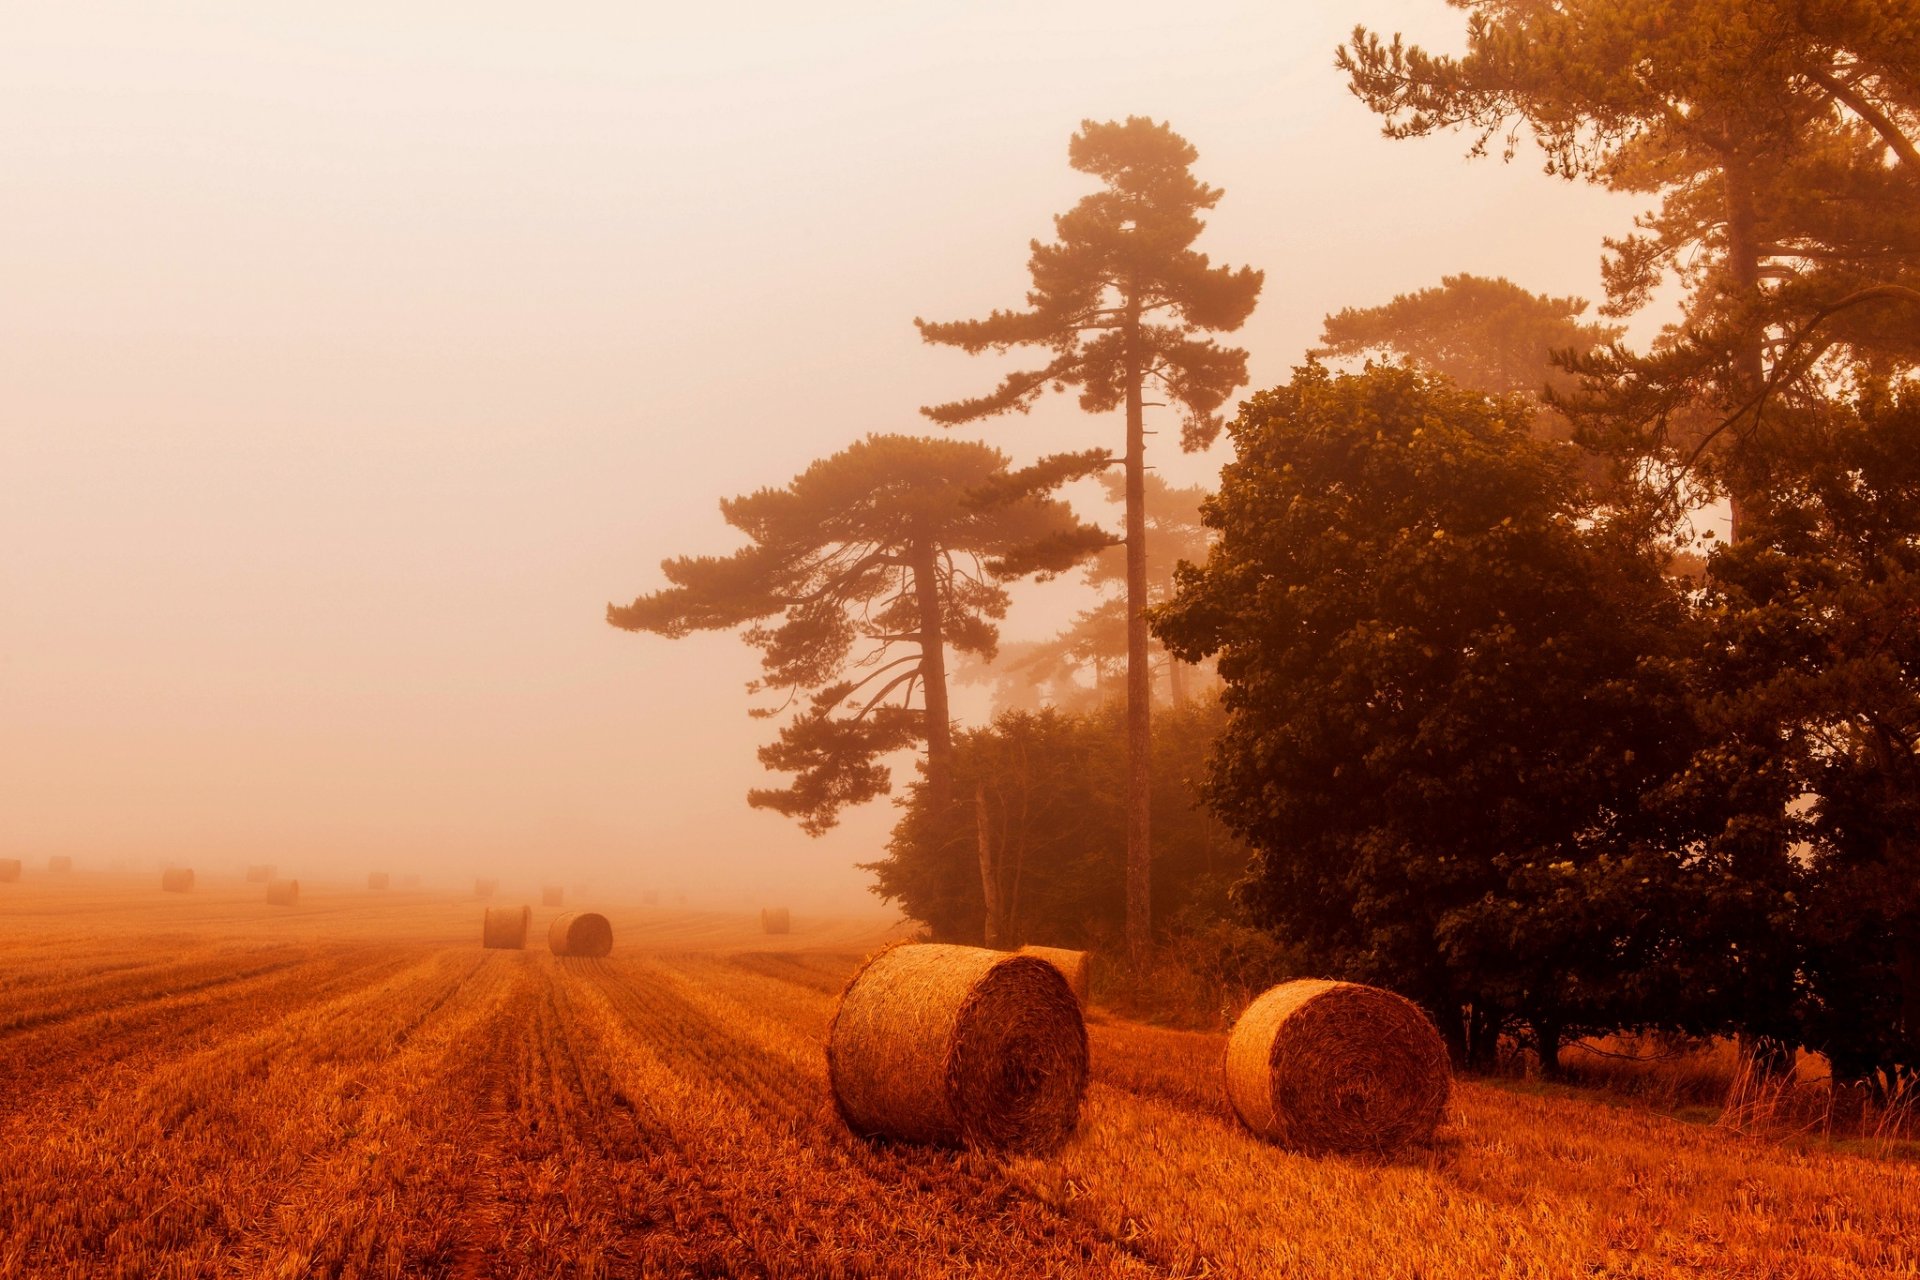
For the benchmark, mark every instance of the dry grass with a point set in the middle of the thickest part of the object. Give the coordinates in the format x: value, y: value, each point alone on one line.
x: 1075, y: 966
x: 959, y: 1046
x: 208, y: 1088
x: 1337, y: 1067
x: 580, y: 933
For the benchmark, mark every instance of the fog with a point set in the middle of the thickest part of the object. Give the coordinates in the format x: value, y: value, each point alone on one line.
x: 353, y: 358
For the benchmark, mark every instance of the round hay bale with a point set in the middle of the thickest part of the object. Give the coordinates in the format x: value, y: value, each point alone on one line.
x: 259, y: 872
x: 176, y: 879
x: 775, y: 920
x: 60, y: 864
x: 580, y: 933
x: 9, y: 870
x: 485, y: 888
x: 378, y: 880
x: 1324, y: 1066
x: 552, y: 895
x: 283, y: 893
x: 505, y: 928
x: 1075, y: 966
x: 959, y: 1046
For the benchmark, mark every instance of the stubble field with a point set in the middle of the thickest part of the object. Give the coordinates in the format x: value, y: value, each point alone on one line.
x: 201, y: 1085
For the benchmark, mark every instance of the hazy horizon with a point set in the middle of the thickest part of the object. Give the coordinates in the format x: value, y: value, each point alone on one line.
x: 358, y: 359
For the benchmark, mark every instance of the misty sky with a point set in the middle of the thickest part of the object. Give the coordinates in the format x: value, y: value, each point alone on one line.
x: 353, y: 357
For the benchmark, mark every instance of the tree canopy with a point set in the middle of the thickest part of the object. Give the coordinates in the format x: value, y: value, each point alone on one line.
x: 1119, y: 300
x: 1450, y: 701
x: 857, y: 576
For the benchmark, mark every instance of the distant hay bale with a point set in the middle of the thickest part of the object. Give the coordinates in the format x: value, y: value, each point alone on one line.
x: 580, y: 933
x: 283, y: 893
x: 259, y: 872
x: 552, y: 895
x: 1337, y: 1067
x: 378, y: 880
x: 959, y: 1046
x: 176, y: 879
x: 60, y: 864
x: 1075, y: 966
x: 775, y: 920
x: 9, y: 870
x: 505, y: 928
x: 649, y: 897
x: 485, y: 888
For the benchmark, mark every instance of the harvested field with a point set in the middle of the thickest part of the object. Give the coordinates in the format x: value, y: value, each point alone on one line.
x: 203, y: 1085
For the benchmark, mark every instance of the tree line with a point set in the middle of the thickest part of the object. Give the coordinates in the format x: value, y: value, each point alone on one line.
x: 1455, y: 695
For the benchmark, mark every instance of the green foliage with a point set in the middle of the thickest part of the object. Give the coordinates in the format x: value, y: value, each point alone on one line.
x: 858, y: 575
x: 1486, y: 335
x: 1122, y: 264
x: 1815, y: 673
x: 1451, y: 702
x: 1054, y: 784
x: 1777, y: 135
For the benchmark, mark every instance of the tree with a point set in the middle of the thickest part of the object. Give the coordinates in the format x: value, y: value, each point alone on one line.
x: 1041, y: 792
x: 1777, y: 135
x: 1813, y: 679
x: 858, y: 576
x: 1117, y: 300
x: 1032, y: 674
x: 1451, y: 700
x: 1486, y: 335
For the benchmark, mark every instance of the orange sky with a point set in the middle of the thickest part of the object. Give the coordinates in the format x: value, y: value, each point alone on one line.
x: 354, y: 356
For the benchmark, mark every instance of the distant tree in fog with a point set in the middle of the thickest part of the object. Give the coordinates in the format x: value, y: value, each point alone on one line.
x: 1117, y: 303
x: 858, y: 577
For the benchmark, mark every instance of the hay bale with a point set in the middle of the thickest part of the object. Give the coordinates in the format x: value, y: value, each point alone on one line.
x: 283, y: 893
x: 551, y: 895
x: 505, y: 928
x: 176, y: 879
x: 259, y: 872
x: 60, y: 864
x: 9, y: 870
x: 378, y: 880
x: 775, y: 920
x: 485, y: 888
x: 1075, y: 966
x: 1337, y: 1067
x: 959, y: 1046
x: 580, y: 933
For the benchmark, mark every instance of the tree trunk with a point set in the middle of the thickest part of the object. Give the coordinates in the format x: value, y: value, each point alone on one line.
x: 1743, y: 270
x: 1546, y: 1043
x: 1139, y: 687
x: 989, y: 889
x: 933, y: 676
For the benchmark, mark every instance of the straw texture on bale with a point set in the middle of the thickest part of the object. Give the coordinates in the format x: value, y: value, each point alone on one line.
x: 259, y: 872
x: 959, y: 1046
x: 775, y: 920
x: 283, y: 893
x: 580, y: 933
x: 176, y: 879
x: 378, y: 880
x: 552, y: 896
x: 505, y: 928
x: 9, y: 869
x: 60, y: 864
x: 1337, y: 1067
x: 1075, y: 966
